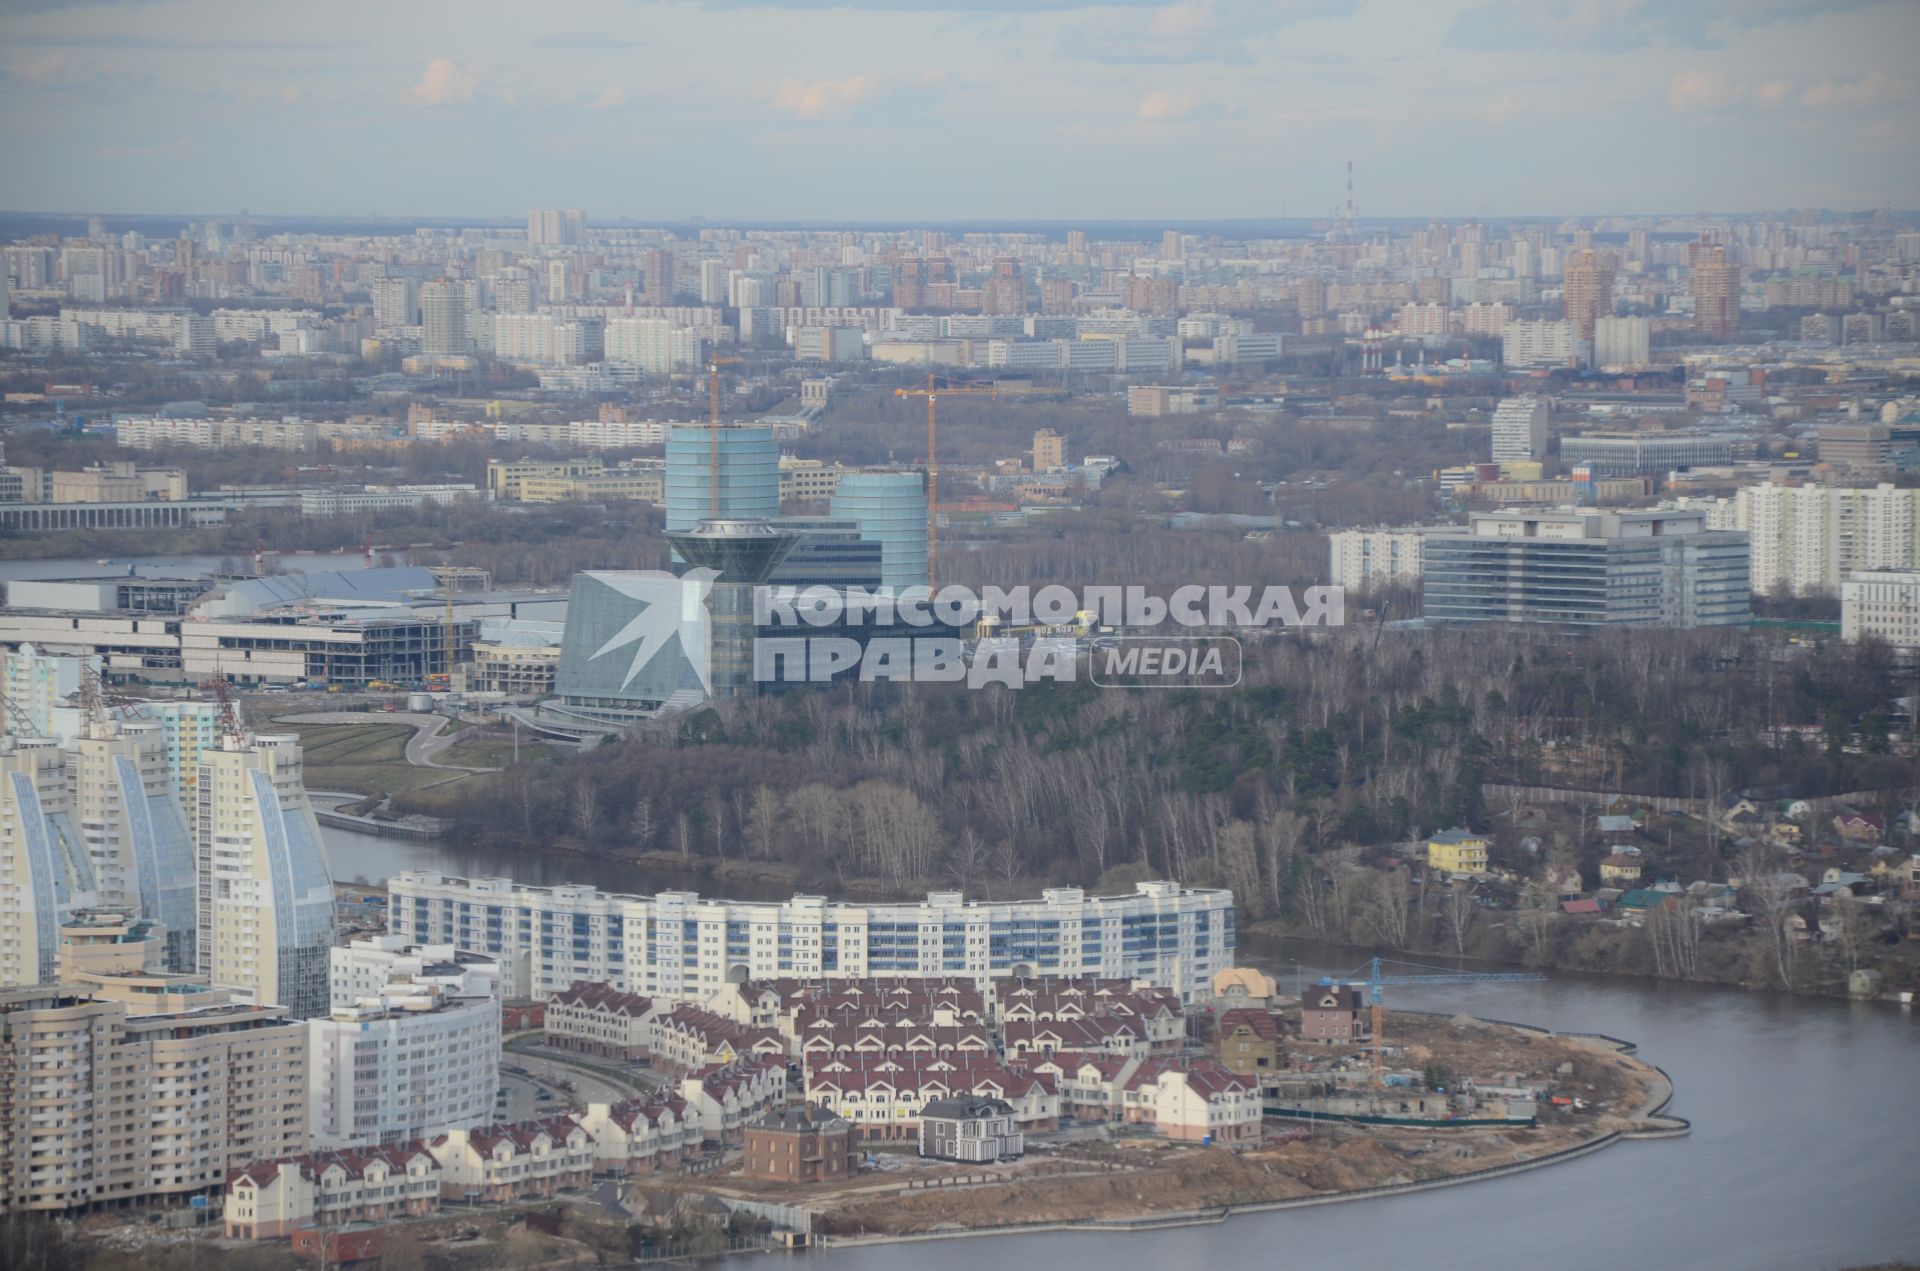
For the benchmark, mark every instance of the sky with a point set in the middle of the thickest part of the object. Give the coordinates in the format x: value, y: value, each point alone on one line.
x: 949, y: 110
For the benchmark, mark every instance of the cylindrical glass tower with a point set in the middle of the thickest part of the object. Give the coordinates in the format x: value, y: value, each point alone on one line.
x: 890, y: 507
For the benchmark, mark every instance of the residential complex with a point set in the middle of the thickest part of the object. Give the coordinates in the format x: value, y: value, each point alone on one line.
x: 1520, y: 429
x: 1810, y: 538
x: 1372, y: 558
x: 682, y: 947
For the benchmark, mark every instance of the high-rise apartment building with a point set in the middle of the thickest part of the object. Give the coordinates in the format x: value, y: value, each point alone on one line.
x: 1538, y: 344
x: 393, y: 305
x: 141, y: 1087
x: 1172, y: 247
x: 1367, y: 559
x: 266, y: 897
x: 1588, y: 283
x: 557, y: 227
x: 1584, y: 567
x: 1714, y: 279
x: 1622, y: 342
x: 1520, y: 429
x: 1811, y: 538
x: 410, y: 1046
x: 443, y: 319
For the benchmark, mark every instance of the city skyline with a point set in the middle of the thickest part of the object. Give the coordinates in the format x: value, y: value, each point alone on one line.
x: 875, y: 110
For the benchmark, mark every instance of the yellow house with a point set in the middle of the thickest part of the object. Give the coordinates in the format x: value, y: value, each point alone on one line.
x: 1458, y: 852
x: 1620, y: 869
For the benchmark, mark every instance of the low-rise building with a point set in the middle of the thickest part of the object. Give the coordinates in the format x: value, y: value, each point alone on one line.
x: 639, y: 1136
x: 494, y: 1164
x: 1332, y: 1013
x: 806, y: 1144
x: 270, y: 1200
x: 1248, y: 1040
x: 598, y: 1019
x: 979, y: 1131
x: 1200, y: 1102
x: 1458, y: 852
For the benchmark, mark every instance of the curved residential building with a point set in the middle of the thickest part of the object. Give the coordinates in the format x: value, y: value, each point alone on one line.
x: 45, y: 873
x: 681, y: 946
x: 413, y: 1056
x: 266, y: 897
x: 134, y: 831
x: 891, y: 508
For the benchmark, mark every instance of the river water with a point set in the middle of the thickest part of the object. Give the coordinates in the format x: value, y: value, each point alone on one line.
x: 1804, y: 1152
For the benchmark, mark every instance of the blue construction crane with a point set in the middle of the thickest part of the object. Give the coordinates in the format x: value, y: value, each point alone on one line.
x: 1375, y: 984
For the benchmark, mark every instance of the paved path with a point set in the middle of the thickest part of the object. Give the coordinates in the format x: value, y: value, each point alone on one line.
x: 429, y: 736
x: 592, y: 1082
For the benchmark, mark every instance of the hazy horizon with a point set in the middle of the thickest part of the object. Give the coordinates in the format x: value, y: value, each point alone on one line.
x: 913, y: 111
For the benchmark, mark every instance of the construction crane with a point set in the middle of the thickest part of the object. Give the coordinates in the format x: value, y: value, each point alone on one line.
x: 1375, y: 983
x: 713, y: 429
x: 938, y: 386
x: 229, y: 713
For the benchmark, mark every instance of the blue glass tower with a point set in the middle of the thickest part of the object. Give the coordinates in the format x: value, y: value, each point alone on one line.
x: 749, y: 474
x: 890, y: 508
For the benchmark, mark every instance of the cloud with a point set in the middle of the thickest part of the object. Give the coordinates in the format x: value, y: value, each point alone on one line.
x: 1775, y: 92
x: 1191, y: 31
x: 937, y: 6
x: 612, y: 97
x: 1701, y: 90
x: 210, y: 44
x: 816, y: 100
x: 1162, y: 106
x: 1873, y: 89
x: 42, y: 69
x: 1621, y: 26
x: 444, y: 83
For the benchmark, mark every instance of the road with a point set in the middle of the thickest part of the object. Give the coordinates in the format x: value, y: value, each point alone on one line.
x: 593, y: 1081
x: 429, y: 738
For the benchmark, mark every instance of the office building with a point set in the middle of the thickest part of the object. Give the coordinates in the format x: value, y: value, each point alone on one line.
x: 1584, y: 567
x: 141, y: 1088
x: 749, y: 485
x: 1863, y: 447
x: 890, y: 508
x: 1520, y: 429
x: 743, y: 555
x: 1369, y: 559
x: 1588, y: 283
x: 1538, y: 344
x: 1881, y: 604
x: 1715, y: 281
x: 683, y: 947
x: 265, y: 905
x: 409, y: 1047
x: 1650, y: 454
x: 443, y: 319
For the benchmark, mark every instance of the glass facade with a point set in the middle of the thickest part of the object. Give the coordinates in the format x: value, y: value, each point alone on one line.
x: 891, y: 508
x: 749, y: 474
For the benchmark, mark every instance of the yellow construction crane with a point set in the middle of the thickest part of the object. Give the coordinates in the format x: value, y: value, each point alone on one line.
x: 938, y: 386
x: 713, y: 429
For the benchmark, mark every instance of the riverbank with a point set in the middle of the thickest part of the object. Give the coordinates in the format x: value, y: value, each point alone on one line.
x: 1113, y: 1178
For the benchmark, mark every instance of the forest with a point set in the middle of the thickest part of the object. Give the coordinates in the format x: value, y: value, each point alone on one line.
x: 1346, y: 742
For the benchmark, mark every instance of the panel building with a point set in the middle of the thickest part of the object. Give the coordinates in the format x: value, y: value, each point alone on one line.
x: 1520, y: 429
x: 1882, y: 604
x: 1588, y: 568
x: 684, y: 947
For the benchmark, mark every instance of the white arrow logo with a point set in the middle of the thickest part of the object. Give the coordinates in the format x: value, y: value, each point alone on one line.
x: 669, y: 606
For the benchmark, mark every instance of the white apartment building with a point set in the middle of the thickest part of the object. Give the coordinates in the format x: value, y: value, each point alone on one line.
x: 654, y: 346
x: 1380, y: 557
x: 36, y: 684
x: 215, y: 434
x: 1520, y: 429
x: 265, y: 904
x: 1811, y: 538
x: 1431, y: 318
x: 417, y: 1055
x: 539, y: 338
x: 1531, y: 344
x: 682, y: 947
x: 1883, y: 604
x: 1486, y: 317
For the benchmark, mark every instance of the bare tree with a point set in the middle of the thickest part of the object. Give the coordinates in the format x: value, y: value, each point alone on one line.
x: 1772, y: 895
x: 583, y: 808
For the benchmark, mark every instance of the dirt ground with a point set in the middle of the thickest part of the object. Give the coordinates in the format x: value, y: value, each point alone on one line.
x: 1156, y: 1176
